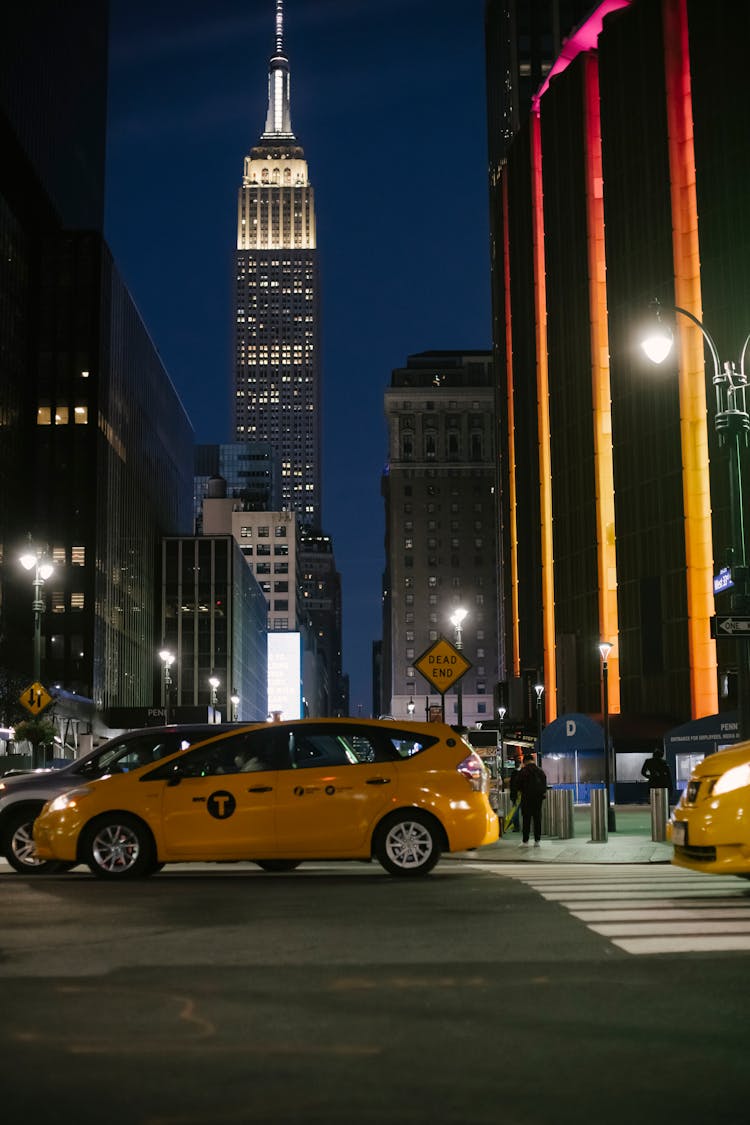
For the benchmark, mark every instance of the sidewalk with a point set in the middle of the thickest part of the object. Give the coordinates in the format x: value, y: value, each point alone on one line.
x: 631, y: 843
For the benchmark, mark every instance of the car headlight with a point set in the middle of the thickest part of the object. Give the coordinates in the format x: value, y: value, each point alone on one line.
x: 69, y: 800
x: 736, y: 778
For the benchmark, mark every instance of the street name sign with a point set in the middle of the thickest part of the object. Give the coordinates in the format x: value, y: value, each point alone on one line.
x: 731, y: 625
x: 442, y: 665
x: 35, y: 698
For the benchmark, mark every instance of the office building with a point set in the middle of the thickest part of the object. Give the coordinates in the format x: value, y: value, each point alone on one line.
x: 277, y: 369
x: 441, y: 529
x: 624, y: 182
x: 96, y: 459
x: 214, y: 624
x: 250, y: 471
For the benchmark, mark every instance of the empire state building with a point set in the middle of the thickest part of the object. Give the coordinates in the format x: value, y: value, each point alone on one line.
x: 277, y: 354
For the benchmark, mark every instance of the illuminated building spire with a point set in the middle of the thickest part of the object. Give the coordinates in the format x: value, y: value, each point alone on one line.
x: 278, y: 118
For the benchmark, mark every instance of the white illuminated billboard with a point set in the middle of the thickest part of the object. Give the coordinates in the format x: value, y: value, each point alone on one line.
x: 285, y: 674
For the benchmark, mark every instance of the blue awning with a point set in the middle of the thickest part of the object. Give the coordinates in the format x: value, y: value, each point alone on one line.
x: 572, y: 732
x: 704, y: 735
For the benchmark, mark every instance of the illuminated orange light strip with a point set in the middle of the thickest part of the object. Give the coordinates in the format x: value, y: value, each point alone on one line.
x: 543, y: 428
x: 692, y: 377
x: 511, y: 422
x: 600, y: 383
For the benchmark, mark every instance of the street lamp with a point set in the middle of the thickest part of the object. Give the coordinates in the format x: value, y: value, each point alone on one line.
x: 605, y: 648
x: 501, y: 713
x: 539, y: 689
x: 410, y: 706
x: 457, y: 619
x: 43, y: 569
x: 167, y: 660
x: 732, y: 425
x: 234, y: 699
x: 214, y: 682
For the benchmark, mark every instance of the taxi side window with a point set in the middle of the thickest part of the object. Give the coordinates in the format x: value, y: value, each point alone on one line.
x: 240, y: 753
x: 309, y: 750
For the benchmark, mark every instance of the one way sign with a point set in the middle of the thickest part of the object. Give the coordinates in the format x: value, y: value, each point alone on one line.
x: 732, y: 625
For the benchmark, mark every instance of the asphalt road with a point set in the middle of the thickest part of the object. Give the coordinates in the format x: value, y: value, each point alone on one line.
x: 340, y: 995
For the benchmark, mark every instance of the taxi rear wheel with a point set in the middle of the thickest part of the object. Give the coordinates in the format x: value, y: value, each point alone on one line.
x: 118, y: 846
x: 278, y: 864
x: 408, y: 843
x: 19, y: 850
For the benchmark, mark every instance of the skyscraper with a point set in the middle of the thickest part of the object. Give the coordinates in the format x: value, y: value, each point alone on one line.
x: 277, y: 355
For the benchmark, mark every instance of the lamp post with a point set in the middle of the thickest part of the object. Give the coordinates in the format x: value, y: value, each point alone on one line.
x: 410, y: 706
x: 732, y: 425
x: 167, y: 659
x: 214, y: 682
x: 605, y: 648
x: 457, y: 619
x: 43, y: 569
x: 501, y: 713
x: 234, y: 699
x: 539, y: 689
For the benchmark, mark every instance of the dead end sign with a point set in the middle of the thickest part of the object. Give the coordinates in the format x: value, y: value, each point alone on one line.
x: 442, y: 665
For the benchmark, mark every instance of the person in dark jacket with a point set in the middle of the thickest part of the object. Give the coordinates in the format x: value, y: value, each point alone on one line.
x: 657, y: 772
x: 515, y: 793
x: 532, y: 785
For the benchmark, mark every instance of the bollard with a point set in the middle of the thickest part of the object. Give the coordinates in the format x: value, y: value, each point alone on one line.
x: 659, y: 813
x: 548, y: 814
x: 599, y: 832
x: 565, y: 823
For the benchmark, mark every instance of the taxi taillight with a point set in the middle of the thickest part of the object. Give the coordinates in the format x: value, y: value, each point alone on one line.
x: 473, y: 770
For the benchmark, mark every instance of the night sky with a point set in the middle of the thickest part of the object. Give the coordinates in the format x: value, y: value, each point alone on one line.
x: 388, y: 103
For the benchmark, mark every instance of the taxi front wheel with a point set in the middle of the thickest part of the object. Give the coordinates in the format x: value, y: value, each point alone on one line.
x: 408, y: 843
x: 118, y: 846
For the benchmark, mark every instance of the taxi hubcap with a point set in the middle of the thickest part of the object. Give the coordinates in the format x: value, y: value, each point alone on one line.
x: 115, y: 848
x: 409, y: 844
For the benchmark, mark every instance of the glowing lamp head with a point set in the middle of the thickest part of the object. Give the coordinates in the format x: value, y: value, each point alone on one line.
x: 46, y: 570
x: 657, y: 344
x: 458, y: 616
x: 28, y: 561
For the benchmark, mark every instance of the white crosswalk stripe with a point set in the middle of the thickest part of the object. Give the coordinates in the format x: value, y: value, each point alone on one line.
x: 648, y: 909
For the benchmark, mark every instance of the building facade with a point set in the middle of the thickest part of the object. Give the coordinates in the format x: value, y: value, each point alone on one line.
x: 441, y: 529
x: 250, y: 471
x: 616, y: 500
x: 214, y: 623
x: 277, y: 380
x: 96, y: 461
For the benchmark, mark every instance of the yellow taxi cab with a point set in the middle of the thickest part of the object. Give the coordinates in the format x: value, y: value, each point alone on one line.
x: 710, y: 827
x: 277, y: 794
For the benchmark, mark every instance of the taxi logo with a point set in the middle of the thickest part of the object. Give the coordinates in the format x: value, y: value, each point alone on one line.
x: 443, y: 665
x: 221, y: 804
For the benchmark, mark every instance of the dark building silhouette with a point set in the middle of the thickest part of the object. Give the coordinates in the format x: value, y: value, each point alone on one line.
x: 96, y: 458
x: 625, y: 181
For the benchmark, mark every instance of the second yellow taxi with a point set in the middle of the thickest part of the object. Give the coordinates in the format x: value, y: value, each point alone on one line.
x: 281, y: 793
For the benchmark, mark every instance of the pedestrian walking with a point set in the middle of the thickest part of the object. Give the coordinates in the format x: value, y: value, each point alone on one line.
x: 532, y: 785
x: 515, y: 795
x: 657, y: 772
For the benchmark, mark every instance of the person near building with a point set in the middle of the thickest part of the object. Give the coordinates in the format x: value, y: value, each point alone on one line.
x: 657, y: 772
x: 532, y: 785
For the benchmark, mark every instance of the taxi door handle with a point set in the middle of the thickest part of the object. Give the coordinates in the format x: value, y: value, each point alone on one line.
x: 378, y: 781
x: 260, y: 789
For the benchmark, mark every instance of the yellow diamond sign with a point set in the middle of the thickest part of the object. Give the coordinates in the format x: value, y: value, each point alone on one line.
x: 35, y: 698
x: 443, y: 665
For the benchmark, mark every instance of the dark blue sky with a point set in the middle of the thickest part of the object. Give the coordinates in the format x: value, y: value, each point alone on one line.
x: 388, y: 103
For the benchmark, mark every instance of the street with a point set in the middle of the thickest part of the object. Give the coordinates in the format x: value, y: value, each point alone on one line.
x: 338, y: 994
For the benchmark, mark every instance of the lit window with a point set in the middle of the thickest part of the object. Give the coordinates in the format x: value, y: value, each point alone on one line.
x: 76, y: 601
x: 61, y: 416
x: 44, y: 416
x: 78, y: 556
x: 81, y: 415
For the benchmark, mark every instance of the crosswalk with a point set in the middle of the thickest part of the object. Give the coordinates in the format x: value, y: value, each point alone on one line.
x: 649, y: 909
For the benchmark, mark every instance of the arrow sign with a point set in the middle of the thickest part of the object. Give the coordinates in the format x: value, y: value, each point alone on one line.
x: 731, y: 626
x: 35, y: 698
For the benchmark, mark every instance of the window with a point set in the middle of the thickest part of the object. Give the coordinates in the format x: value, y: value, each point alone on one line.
x: 263, y: 532
x: 264, y: 549
x: 76, y: 601
x: 81, y: 415
x: 309, y: 750
x: 280, y: 531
